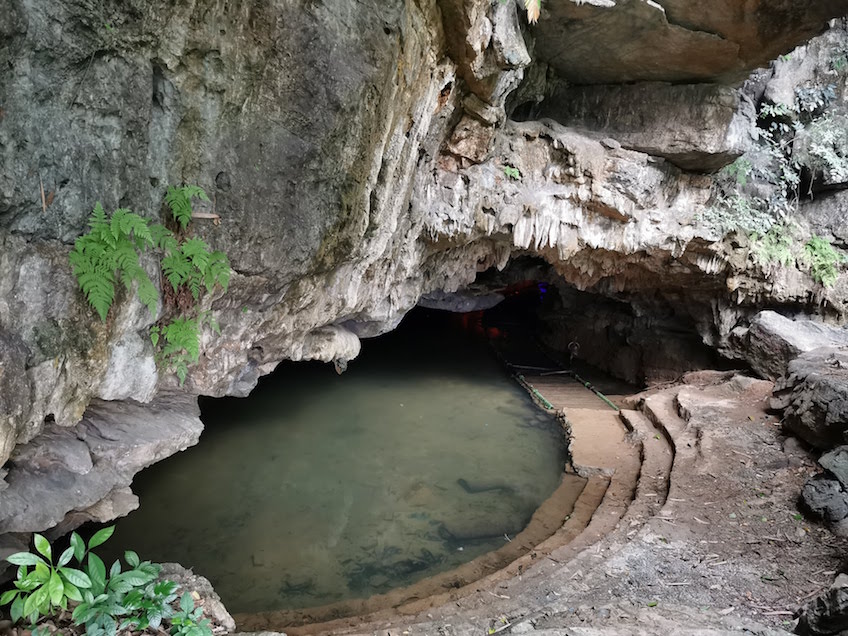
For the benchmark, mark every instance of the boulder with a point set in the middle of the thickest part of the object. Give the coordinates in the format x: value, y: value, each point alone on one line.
x: 203, y: 593
x: 814, y: 396
x: 827, y: 614
x: 773, y: 340
x: 826, y: 500
x: 836, y: 463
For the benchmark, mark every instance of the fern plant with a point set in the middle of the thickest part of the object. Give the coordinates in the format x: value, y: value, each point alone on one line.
x: 179, y: 200
x: 109, y: 253
x: 181, y: 342
x: 823, y: 260
x: 192, y: 265
x: 775, y: 246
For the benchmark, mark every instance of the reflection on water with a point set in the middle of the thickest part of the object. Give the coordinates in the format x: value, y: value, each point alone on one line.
x: 319, y: 487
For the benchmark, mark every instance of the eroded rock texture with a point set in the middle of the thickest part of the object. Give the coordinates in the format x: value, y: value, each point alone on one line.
x: 672, y: 40
x: 360, y: 157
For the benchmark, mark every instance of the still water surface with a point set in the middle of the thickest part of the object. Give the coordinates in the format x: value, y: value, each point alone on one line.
x: 319, y: 487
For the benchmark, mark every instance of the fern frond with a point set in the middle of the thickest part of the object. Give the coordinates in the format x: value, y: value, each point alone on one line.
x: 180, y: 205
x: 182, y: 335
x: 193, y: 191
x: 218, y: 271
x: 148, y: 294
x: 163, y: 238
x: 194, y: 282
x: 97, y: 220
x: 182, y: 371
x: 99, y: 290
x: 197, y: 251
x: 133, y: 225
x: 126, y: 261
x: 176, y: 268
x: 179, y: 200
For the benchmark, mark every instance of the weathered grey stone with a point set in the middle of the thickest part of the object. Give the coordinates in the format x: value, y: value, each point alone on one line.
x: 14, y: 390
x: 699, y: 127
x: 836, y: 461
x: 814, y: 396
x: 773, y: 341
x: 826, y: 499
x: 207, y: 597
x: 68, y: 471
x: 672, y: 40
x: 827, y: 215
x: 827, y: 614
x: 461, y: 301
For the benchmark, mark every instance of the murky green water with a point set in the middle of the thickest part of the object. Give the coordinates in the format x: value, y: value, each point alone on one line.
x: 320, y: 487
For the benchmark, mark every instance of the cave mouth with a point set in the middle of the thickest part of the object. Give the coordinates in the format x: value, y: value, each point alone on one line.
x: 320, y: 489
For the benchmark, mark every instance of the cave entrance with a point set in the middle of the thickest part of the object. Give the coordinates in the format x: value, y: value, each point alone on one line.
x: 411, y: 473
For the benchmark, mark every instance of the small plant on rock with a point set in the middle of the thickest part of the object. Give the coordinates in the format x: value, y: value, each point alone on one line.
x: 187, y: 621
x: 775, y: 246
x: 47, y: 587
x: 105, y: 602
x: 111, y: 252
x: 823, y: 260
x: 180, y: 341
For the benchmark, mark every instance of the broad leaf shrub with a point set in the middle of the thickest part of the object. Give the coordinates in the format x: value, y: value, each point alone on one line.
x: 110, y: 252
x: 131, y: 598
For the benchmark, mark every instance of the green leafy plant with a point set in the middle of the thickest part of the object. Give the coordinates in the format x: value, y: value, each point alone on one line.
x: 187, y: 621
x: 192, y: 265
x: 150, y: 605
x: 739, y: 171
x: 512, y: 172
x: 102, y: 604
x: 775, y: 246
x: 47, y: 587
x: 181, y: 342
x: 179, y: 200
x: 828, y: 147
x: 110, y: 252
x: 736, y: 212
x: 106, y: 603
x: 823, y: 260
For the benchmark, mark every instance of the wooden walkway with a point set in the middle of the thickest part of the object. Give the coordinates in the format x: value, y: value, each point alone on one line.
x: 599, y: 442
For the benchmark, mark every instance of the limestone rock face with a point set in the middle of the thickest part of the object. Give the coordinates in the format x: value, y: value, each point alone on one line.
x: 702, y: 128
x: 359, y: 157
x: 672, y: 40
x: 82, y: 473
